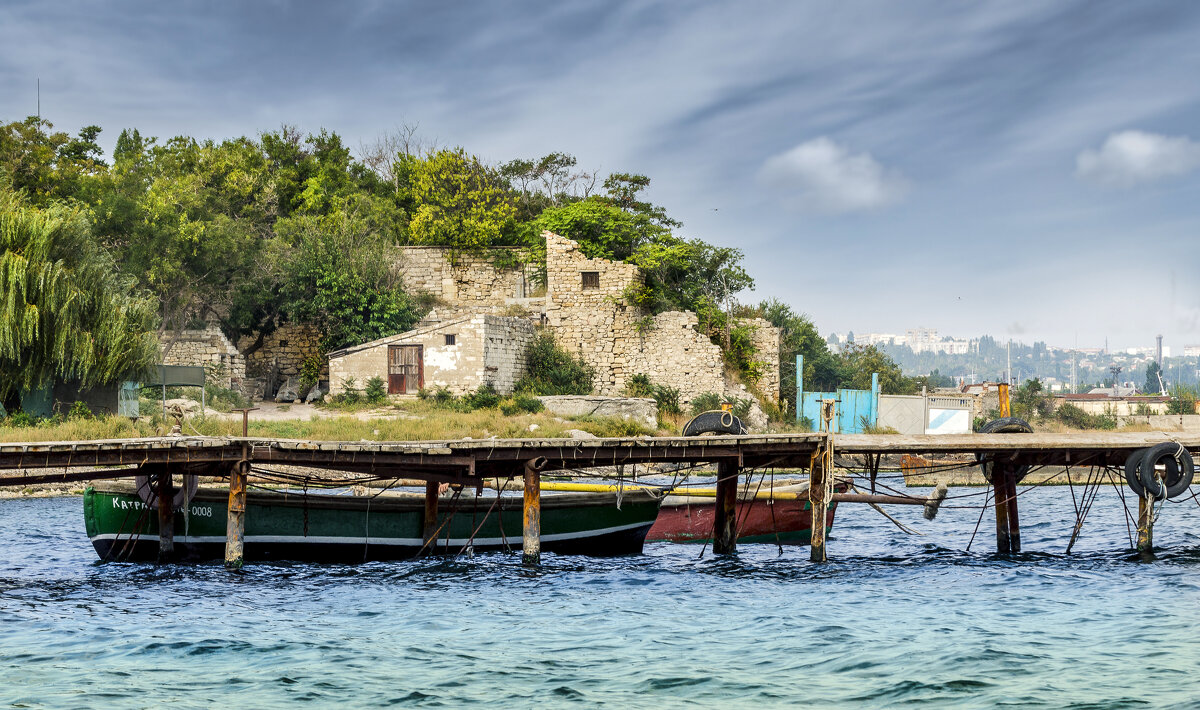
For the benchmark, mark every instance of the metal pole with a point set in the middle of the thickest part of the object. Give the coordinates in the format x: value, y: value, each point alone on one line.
x: 799, y: 384
x: 235, y: 523
x: 431, y: 513
x: 166, y: 516
x: 725, y: 520
x: 531, y: 532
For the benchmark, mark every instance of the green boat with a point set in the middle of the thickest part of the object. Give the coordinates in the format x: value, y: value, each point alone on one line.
x: 283, y: 525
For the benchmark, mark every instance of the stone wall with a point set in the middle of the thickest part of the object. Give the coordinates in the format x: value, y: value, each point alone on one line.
x: 590, y: 318
x: 674, y: 353
x: 208, y: 348
x: 470, y: 281
x: 766, y: 342
x: 486, y: 349
x: 286, y: 348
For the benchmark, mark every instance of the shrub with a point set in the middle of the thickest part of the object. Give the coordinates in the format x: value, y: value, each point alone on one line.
x: 711, y: 400
x: 79, y: 410
x: 521, y: 404
x: 20, y: 419
x: 376, y: 391
x: 310, y: 372
x: 553, y: 370
x: 485, y: 397
x: 350, y: 393
x: 639, y: 386
x: 668, y: 399
x: 1073, y: 416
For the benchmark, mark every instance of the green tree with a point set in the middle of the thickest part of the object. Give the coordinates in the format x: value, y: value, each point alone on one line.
x: 65, y: 312
x: 1152, y: 378
x: 798, y: 336
x: 456, y: 201
x: 856, y: 363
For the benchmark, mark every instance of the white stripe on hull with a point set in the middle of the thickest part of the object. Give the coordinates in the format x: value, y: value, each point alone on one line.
x: 397, y: 541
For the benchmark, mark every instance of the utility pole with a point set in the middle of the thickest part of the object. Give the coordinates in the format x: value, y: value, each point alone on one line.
x: 1008, y: 368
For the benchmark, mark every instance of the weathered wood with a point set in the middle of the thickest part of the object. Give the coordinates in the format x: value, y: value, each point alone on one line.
x: 725, y: 519
x: 531, y: 531
x: 1000, y: 490
x: 431, y: 513
x: 166, y: 516
x: 1014, y: 521
x: 820, y: 479
x: 235, y: 525
x: 1145, y: 528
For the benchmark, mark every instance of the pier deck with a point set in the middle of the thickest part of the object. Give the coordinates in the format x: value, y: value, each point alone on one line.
x: 469, y: 461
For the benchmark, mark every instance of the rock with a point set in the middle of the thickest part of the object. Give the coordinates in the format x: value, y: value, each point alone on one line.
x: 314, y: 395
x: 580, y: 434
x: 642, y: 410
x: 534, y: 427
x: 185, y: 406
x: 289, y: 391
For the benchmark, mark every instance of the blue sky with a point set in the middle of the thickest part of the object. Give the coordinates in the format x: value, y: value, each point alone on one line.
x: 1026, y: 170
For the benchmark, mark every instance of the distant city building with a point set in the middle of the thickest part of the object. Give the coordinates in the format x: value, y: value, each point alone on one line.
x: 1191, y: 351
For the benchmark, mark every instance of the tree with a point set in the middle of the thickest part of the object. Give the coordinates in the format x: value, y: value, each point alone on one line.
x: 856, y: 363
x: 456, y: 201
x: 1153, y: 372
x: 798, y: 336
x: 65, y: 312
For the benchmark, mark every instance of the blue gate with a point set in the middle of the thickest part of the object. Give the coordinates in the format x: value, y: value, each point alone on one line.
x: 854, y: 407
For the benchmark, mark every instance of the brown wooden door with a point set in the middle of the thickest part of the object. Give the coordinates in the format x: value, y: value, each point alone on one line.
x: 406, y: 369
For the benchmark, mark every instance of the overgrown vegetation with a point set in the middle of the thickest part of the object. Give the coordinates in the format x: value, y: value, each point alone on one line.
x: 711, y: 400
x: 552, y: 370
x: 666, y: 397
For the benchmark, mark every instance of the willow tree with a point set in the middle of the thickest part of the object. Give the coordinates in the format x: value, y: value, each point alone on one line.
x: 65, y: 312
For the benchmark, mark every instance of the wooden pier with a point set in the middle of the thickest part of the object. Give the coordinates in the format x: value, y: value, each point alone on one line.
x: 469, y: 462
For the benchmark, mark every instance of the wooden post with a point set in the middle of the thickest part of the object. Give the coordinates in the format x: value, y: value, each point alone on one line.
x: 531, y: 532
x: 1014, y: 522
x: 1145, y: 530
x: 1004, y: 402
x: 820, y: 473
x: 1000, y: 489
x: 431, y: 514
x: 166, y: 516
x: 725, y: 520
x: 235, y: 522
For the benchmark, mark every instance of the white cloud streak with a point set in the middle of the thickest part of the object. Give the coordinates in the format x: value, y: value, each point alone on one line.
x: 1130, y: 158
x: 821, y: 175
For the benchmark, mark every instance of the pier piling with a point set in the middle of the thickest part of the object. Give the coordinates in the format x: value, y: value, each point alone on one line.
x: 1000, y: 490
x: 820, y: 483
x: 1014, y: 521
x: 166, y: 516
x: 431, y: 514
x: 235, y: 526
x: 1145, y: 528
x: 531, y: 532
x: 725, y: 517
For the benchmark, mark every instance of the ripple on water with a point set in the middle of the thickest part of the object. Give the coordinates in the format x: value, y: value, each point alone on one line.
x: 892, y: 620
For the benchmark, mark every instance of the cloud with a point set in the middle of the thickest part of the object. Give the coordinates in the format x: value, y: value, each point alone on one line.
x: 1130, y: 158
x: 822, y: 176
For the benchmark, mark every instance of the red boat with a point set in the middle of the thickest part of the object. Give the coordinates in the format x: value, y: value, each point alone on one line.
x: 782, y: 514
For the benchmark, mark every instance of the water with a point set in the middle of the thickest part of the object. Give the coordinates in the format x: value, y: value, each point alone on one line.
x: 891, y: 621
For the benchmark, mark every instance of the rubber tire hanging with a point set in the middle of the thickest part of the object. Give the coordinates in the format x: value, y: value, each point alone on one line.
x: 1178, y: 473
x: 1004, y: 425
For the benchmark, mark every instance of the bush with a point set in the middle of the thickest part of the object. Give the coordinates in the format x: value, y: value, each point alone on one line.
x: 486, y: 397
x: 666, y: 397
x: 553, y: 370
x: 711, y: 400
x: 1073, y: 416
x: 350, y: 393
x: 310, y: 372
x: 79, y: 410
x: 20, y: 419
x: 639, y: 386
x: 376, y: 391
x: 521, y: 404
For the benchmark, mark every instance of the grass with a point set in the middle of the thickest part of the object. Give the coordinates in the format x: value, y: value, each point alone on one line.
x: 414, y: 421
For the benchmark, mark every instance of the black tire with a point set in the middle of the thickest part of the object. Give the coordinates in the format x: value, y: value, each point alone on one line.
x: 1004, y: 425
x: 714, y: 422
x: 1133, y: 476
x: 1178, y: 470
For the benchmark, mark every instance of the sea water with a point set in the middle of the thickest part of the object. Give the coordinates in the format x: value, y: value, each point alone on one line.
x: 891, y: 620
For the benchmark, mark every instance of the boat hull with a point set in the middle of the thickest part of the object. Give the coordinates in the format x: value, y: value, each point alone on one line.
x: 787, y: 522
x: 348, y: 529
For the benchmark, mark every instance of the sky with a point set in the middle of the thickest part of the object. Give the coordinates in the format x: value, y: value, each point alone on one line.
x: 1023, y: 170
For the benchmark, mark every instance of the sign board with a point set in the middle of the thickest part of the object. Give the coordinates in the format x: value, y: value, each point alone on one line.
x: 176, y: 376
x: 948, y: 421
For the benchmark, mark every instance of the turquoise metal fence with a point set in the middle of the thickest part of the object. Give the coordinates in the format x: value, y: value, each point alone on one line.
x: 856, y: 409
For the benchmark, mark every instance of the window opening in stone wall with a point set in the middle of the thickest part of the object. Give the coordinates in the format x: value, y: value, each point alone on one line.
x: 450, y: 338
x: 283, y: 343
x: 591, y: 280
